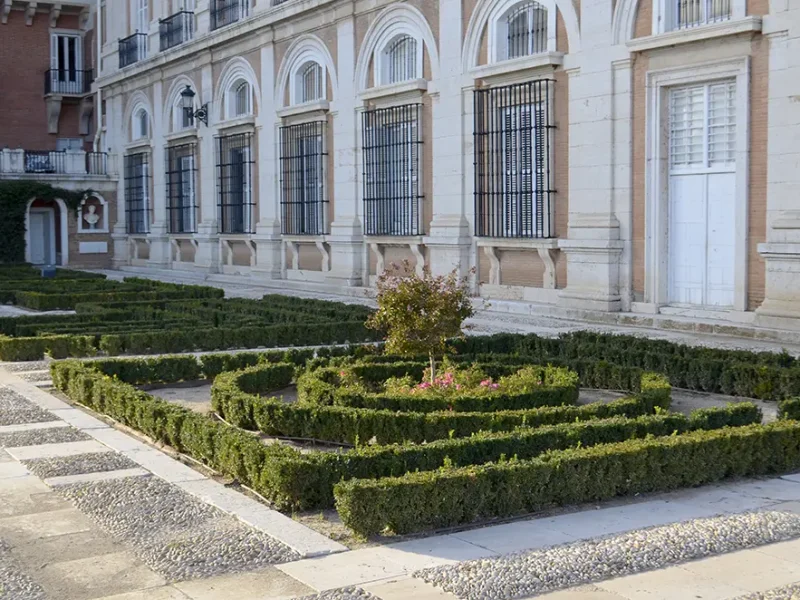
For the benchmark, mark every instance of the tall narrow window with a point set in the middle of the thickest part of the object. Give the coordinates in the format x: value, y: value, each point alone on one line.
x: 702, y: 125
x: 238, y: 99
x: 526, y: 30
x: 141, y: 124
x: 103, y: 24
x: 66, y: 64
x: 181, y: 201
x: 137, y: 193
x: 303, y: 199
x: 392, y: 187
x: 234, y: 183
x: 400, y: 60
x: 142, y: 16
x: 309, y: 82
x: 512, y: 138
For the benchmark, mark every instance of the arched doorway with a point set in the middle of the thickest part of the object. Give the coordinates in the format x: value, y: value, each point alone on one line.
x: 46, y: 236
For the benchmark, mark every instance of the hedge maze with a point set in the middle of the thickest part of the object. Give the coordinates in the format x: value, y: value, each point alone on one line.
x: 140, y: 316
x: 499, y: 433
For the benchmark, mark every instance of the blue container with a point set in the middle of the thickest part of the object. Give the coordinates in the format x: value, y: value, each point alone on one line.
x: 48, y: 272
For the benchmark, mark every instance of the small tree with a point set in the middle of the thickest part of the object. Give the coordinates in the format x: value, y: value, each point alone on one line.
x: 420, y: 313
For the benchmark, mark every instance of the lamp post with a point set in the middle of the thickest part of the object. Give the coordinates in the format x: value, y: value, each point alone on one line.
x: 187, y: 98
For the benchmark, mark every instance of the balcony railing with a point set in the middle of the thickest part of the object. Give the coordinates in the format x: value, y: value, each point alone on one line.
x: 176, y: 29
x: 132, y: 49
x: 225, y: 12
x: 68, y: 82
x: 694, y: 13
x: 58, y: 162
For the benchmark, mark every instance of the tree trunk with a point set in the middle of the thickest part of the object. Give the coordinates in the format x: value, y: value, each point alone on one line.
x: 433, y: 368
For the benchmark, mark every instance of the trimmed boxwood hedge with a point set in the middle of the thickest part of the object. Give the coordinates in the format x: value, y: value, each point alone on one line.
x: 456, y: 496
x: 306, y: 480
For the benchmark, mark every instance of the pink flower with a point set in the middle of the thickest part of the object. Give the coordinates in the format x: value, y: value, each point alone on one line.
x: 495, y: 386
x: 486, y: 382
x: 342, y: 373
x: 458, y: 386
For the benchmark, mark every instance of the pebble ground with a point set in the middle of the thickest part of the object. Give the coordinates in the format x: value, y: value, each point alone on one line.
x: 15, y: 409
x: 35, y: 437
x: 348, y: 593
x: 175, y: 534
x: 788, y: 592
x: 93, y: 462
x: 14, y: 583
x: 537, y: 572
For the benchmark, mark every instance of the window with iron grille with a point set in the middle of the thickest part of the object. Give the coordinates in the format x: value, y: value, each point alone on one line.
x: 234, y: 183
x: 309, y: 82
x: 137, y: 193
x: 400, y: 60
x: 304, y: 202
x: 181, y: 198
x: 513, y: 183
x: 225, y: 12
x: 693, y: 13
x: 526, y: 30
x: 392, y: 188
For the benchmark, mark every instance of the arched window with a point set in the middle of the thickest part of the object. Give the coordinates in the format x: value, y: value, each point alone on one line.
x: 524, y: 31
x: 401, y: 60
x: 239, y: 99
x: 141, y: 124
x: 309, y: 82
x: 181, y: 119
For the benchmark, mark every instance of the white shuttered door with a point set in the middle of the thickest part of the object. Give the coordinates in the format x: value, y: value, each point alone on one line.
x: 702, y: 176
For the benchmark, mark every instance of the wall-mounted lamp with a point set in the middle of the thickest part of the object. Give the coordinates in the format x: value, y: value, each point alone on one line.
x: 187, y: 97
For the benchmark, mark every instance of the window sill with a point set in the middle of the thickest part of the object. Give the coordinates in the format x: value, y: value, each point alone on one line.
x: 248, y: 122
x: 515, y: 65
x: 189, y: 132
x: 307, y: 238
x: 517, y: 243
x: 142, y: 145
x: 695, y: 34
x: 303, y: 109
x: 393, y: 240
x: 415, y: 86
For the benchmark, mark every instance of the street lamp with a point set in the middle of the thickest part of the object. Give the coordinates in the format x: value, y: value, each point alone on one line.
x: 187, y: 98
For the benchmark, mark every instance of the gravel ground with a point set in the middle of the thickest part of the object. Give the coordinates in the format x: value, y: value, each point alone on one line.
x: 348, y: 593
x: 788, y: 592
x: 20, y: 367
x: 36, y: 376
x: 93, y: 462
x: 14, y: 583
x: 175, y: 534
x: 36, y: 437
x: 540, y: 571
x: 15, y: 409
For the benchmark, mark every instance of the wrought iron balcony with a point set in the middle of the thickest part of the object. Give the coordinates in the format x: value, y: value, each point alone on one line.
x: 18, y: 163
x: 68, y: 82
x: 694, y: 13
x: 132, y: 49
x: 225, y: 12
x: 175, y: 29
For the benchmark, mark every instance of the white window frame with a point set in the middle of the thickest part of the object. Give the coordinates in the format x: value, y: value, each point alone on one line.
x: 231, y: 99
x: 380, y: 68
x: 138, y: 133
x: 665, y: 15
x: 142, y: 16
x: 297, y: 90
x: 180, y: 118
x: 498, y: 29
x: 58, y: 36
x: 658, y: 84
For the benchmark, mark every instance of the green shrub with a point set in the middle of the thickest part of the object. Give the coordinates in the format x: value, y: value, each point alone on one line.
x: 455, y: 496
x: 734, y: 415
x: 789, y: 409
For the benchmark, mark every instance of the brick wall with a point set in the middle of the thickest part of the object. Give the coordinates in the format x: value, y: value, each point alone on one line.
x: 25, y: 57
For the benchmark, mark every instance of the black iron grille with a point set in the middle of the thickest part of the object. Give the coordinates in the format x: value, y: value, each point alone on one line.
x: 225, y: 12
x: 513, y: 183
x: 304, y: 200
x: 181, y: 196
x: 175, y: 29
x: 137, y: 193
x: 527, y: 30
x: 235, y: 183
x: 392, y: 187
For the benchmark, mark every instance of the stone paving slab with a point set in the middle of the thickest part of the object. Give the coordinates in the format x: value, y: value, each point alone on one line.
x: 52, y: 450
x: 32, y: 426
x: 163, y: 466
x: 98, y: 476
x: 12, y: 469
x: 79, y: 419
x: 265, y: 584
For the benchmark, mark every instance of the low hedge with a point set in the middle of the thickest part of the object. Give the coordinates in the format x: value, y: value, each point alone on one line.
x: 455, y: 496
x: 350, y: 425
x: 55, y: 346
x: 306, y: 481
x: 789, y: 409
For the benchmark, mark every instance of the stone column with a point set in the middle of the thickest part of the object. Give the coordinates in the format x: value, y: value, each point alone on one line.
x: 449, y: 239
x: 116, y: 144
x: 593, y: 247
x: 781, y: 252
x: 268, y: 228
x: 207, y: 255
x: 159, y: 241
x: 346, y: 239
